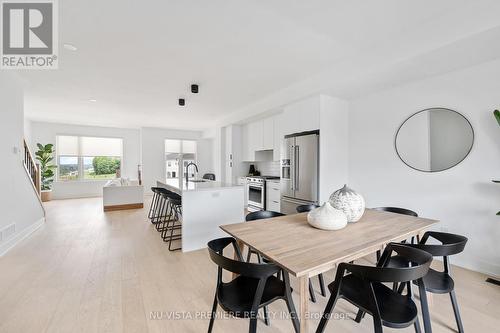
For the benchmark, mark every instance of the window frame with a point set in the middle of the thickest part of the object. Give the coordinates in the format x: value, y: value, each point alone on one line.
x: 180, y: 165
x: 81, y: 167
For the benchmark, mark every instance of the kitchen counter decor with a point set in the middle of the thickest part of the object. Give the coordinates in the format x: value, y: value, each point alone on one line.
x: 348, y: 201
x: 327, y: 218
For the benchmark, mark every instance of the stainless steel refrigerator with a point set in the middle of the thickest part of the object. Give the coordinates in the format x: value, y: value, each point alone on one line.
x: 299, y: 171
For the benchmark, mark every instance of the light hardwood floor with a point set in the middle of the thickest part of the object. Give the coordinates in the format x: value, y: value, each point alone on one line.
x: 89, y: 271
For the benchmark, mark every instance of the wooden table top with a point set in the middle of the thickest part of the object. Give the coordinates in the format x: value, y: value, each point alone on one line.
x: 302, y: 250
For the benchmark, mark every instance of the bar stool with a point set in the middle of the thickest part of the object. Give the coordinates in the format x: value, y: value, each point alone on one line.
x: 172, y: 222
x: 157, y: 206
x: 154, y: 202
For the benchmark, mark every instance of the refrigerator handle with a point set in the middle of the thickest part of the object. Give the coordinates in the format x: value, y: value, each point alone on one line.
x: 292, y: 167
x: 296, y: 162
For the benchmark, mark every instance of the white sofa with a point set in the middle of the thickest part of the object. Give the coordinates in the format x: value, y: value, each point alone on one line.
x: 120, y: 194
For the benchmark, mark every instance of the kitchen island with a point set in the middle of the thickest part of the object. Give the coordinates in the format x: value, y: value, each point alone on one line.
x: 205, y: 206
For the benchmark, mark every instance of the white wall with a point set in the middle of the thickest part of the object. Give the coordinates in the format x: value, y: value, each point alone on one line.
x: 18, y: 202
x: 44, y: 133
x: 463, y: 198
x: 333, y: 147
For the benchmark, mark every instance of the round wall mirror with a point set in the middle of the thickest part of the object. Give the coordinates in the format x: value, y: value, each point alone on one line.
x: 434, y: 139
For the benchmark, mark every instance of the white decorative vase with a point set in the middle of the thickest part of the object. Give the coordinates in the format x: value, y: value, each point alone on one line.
x: 327, y: 218
x: 348, y: 201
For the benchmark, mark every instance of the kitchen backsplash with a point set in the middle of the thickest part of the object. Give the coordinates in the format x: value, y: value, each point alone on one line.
x: 268, y: 168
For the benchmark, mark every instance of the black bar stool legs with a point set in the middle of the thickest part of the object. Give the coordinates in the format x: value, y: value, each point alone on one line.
x: 165, y: 213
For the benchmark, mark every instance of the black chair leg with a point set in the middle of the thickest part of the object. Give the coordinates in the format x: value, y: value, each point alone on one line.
x: 401, y: 288
x: 253, y: 325
x: 249, y: 255
x: 293, y: 315
x: 214, y: 313
x: 311, y: 292
x: 327, y: 313
x: 289, y: 303
x: 456, y: 311
x: 359, y: 316
x: 322, y: 285
x: 266, y: 316
x: 377, y: 325
x: 425, y: 307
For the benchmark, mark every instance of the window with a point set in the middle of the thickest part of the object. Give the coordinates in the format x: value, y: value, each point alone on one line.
x: 88, y: 158
x: 178, y: 154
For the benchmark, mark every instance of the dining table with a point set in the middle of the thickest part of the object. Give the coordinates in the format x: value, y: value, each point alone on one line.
x: 304, y: 251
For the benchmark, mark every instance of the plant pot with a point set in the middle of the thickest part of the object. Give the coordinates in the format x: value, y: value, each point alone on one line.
x: 46, y: 195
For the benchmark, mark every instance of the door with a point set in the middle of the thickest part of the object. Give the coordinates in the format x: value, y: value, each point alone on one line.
x: 287, y: 168
x: 306, y: 167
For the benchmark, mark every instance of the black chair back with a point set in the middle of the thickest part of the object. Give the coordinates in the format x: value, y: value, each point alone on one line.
x: 257, y: 271
x: 262, y: 214
x: 306, y: 208
x: 209, y: 176
x: 450, y: 244
x: 420, y: 260
x: 397, y: 210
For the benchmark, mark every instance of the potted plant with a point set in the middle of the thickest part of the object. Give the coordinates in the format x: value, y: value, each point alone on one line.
x: 45, y: 155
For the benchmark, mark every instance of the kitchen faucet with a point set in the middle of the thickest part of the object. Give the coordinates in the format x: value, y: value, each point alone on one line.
x: 187, y: 170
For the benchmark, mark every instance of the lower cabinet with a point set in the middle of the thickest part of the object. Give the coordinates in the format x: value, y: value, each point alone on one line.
x: 273, y: 196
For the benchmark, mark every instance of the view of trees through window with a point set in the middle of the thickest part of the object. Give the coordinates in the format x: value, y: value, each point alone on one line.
x: 88, y: 158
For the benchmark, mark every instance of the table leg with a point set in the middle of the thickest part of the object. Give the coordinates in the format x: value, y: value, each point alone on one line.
x: 241, y: 246
x: 304, y: 304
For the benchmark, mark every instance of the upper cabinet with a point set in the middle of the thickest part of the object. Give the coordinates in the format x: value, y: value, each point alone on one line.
x: 278, y: 137
x: 268, y: 135
x: 258, y: 136
x: 301, y: 116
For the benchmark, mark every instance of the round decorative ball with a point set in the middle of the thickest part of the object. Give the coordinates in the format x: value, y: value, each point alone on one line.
x: 348, y: 201
x: 327, y: 218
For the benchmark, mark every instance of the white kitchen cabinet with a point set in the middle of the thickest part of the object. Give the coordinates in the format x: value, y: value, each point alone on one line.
x: 243, y: 181
x: 268, y: 133
x: 256, y: 135
x: 277, y: 137
x: 247, y: 153
x: 273, y: 195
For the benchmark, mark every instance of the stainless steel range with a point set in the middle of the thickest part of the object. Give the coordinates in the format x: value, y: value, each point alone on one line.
x: 257, y: 192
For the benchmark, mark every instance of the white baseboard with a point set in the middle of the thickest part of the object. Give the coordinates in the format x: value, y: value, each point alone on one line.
x: 17, y: 238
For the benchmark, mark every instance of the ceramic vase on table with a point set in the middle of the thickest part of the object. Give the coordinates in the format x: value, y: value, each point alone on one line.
x: 327, y: 218
x: 348, y: 201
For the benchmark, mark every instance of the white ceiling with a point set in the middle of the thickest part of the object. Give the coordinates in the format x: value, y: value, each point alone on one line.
x: 137, y: 57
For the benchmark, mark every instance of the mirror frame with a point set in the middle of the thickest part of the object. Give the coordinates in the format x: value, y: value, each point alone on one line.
x: 428, y: 109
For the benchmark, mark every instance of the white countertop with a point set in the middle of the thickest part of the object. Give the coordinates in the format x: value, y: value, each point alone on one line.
x: 179, y: 186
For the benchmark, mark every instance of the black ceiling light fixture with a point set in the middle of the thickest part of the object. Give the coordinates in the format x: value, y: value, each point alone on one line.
x: 182, y: 102
x: 194, y: 88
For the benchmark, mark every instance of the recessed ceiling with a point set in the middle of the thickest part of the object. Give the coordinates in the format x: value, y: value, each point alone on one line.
x: 136, y: 58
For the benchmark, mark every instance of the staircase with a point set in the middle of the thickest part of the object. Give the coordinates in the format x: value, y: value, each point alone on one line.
x: 33, y: 170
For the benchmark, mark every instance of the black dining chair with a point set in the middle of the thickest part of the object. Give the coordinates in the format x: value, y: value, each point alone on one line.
x: 363, y: 286
x: 437, y: 282
x: 254, y: 288
x: 209, y: 176
x: 259, y: 215
x: 396, y: 210
x: 305, y: 209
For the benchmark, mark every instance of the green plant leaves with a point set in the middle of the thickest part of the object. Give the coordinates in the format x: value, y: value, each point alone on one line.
x: 45, y: 156
x: 496, y: 113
